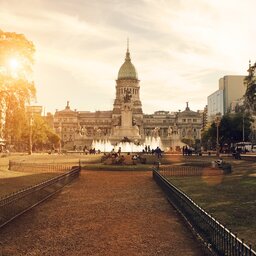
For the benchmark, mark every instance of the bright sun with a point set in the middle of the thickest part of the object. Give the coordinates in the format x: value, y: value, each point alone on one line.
x: 13, y: 64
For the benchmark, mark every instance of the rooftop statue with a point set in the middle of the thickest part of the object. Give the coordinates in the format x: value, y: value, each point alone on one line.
x: 127, y: 96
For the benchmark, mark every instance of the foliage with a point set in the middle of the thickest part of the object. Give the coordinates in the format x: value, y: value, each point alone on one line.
x: 16, y: 86
x: 230, y: 130
x: 209, y: 137
x: 43, y: 136
x: 250, y: 94
x: 18, y: 47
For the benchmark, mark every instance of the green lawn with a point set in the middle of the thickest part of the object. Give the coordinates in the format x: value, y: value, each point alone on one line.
x: 11, y: 181
x: 231, y: 199
x: 103, y: 167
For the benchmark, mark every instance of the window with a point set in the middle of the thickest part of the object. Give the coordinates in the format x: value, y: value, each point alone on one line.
x: 184, y: 120
x: 194, y: 120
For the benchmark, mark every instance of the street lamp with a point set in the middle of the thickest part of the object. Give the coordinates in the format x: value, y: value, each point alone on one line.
x: 30, y: 111
x: 30, y: 133
x: 217, y: 122
x: 60, y: 132
x: 243, y: 127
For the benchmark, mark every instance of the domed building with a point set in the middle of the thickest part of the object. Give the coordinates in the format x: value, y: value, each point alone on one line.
x: 127, y: 70
x: 126, y: 120
x: 190, y: 124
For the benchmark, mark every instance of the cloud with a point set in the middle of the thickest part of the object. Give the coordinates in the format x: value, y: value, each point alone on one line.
x: 180, y: 48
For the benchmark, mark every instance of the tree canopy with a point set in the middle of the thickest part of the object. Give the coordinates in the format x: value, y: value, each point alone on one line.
x: 230, y: 130
x: 16, y: 51
x: 17, y: 90
x: 43, y: 136
x: 16, y: 85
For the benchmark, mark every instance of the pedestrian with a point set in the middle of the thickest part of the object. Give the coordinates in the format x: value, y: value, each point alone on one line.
x: 158, y: 152
x: 186, y: 150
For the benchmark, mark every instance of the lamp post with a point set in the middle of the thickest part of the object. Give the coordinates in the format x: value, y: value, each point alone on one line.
x: 30, y: 134
x: 30, y: 112
x: 243, y: 127
x: 60, y: 132
x: 217, y: 122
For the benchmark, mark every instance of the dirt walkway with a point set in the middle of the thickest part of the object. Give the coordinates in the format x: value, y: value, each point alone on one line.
x: 102, y: 213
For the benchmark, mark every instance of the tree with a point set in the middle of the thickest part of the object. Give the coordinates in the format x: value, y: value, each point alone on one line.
x: 233, y: 127
x: 209, y: 137
x: 250, y: 94
x: 230, y: 130
x: 16, y: 85
x: 43, y: 136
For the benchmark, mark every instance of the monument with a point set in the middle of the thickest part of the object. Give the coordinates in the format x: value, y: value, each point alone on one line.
x: 128, y: 128
x: 126, y: 125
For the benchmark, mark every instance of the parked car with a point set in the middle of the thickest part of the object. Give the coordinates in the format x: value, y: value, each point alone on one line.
x: 244, y: 147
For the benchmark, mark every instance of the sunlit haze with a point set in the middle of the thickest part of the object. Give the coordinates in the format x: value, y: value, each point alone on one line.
x: 179, y: 48
x: 13, y: 63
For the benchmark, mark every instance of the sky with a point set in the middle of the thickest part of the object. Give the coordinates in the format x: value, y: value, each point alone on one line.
x: 180, y: 48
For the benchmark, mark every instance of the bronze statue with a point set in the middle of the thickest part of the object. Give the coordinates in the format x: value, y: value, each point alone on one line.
x: 127, y: 96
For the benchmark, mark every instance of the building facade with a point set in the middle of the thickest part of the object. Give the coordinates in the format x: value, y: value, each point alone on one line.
x: 126, y: 121
x: 231, y: 89
x: 215, y: 103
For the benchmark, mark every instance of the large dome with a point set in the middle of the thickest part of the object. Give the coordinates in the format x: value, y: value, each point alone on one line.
x: 127, y: 70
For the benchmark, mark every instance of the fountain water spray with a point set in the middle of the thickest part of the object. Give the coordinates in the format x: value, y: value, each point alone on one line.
x: 106, y: 146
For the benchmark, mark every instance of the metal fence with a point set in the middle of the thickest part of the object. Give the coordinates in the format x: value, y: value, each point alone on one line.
x: 218, y: 238
x: 40, y: 167
x: 189, y: 171
x: 19, y: 202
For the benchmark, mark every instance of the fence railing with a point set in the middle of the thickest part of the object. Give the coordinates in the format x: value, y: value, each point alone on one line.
x: 40, y: 167
x: 189, y: 171
x: 15, y: 204
x: 218, y: 238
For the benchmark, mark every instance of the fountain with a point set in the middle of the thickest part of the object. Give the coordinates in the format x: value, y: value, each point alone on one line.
x: 106, y: 146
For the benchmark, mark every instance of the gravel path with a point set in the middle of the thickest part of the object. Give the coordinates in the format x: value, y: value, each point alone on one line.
x: 102, y: 213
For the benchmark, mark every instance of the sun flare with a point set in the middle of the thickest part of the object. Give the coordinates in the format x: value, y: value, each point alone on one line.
x: 14, y: 64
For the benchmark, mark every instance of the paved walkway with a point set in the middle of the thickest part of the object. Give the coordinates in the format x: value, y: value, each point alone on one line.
x: 102, y: 213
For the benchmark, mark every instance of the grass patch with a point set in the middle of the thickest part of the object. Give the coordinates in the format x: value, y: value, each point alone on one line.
x: 13, y: 181
x: 229, y: 198
x: 104, y: 167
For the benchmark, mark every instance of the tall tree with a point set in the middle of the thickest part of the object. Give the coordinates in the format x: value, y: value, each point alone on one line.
x: 250, y: 94
x: 43, y: 136
x: 16, y: 83
x: 232, y: 128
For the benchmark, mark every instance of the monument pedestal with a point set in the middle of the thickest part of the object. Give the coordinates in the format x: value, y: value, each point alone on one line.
x: 126, y: 129
x: 132, y: 133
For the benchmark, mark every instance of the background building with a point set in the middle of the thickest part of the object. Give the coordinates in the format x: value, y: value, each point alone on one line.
x: 204, y: 117
x: 215, y: 103
x: 231, y: 88
x: 126, y: 122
